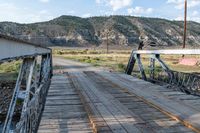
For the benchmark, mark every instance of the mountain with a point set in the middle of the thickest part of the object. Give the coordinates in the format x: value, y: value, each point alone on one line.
x: 94, y: 31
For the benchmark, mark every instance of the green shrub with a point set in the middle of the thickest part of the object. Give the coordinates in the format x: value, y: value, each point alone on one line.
x: 82, y: 60
x: 121, y: 66
x: 97, y: 59
x: 92, y: 52
x: 93, y: 61
x: 59, y: 52
x: 88, y: 61
x: 10, y: 67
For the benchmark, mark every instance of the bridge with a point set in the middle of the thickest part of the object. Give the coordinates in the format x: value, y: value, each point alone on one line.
x: 77, y: 97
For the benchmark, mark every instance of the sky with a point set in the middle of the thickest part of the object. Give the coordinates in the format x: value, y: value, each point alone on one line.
x: 30, y: 11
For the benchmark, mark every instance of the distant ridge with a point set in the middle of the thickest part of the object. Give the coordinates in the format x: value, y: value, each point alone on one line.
x: 121, y: 30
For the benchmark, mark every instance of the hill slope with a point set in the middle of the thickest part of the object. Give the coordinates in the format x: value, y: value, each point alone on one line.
x: 120, y: 30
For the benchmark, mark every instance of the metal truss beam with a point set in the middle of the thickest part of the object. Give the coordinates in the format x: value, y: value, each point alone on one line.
x: 171, y: 52
x: 35, y: 74
x: 36, y: 83
x: 185, y: 82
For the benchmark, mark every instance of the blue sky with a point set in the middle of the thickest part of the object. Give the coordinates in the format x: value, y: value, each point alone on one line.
x: 29, y: 11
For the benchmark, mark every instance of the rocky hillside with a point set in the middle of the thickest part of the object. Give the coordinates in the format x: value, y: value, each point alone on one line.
x: 94, y: 31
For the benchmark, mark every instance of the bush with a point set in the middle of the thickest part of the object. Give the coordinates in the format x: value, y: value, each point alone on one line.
x: 93, y: 61
x: 10, y: 67
x: 121, y: 66
x: 92, y: 52
x: 59, y: 52
x: 97, y: 59
x: 88, y: 61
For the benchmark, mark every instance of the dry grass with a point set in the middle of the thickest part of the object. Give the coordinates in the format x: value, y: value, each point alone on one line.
x: 118, y: 59
x: 9, y: 70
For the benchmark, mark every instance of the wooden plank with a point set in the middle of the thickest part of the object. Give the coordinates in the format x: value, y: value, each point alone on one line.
x: 88, y: 98
x: 64, y: 130
x: 68, y: 97
x: 63, y: 122
x: 147, y: 113
x: 116, y: 106
x: 106, y: 105
x: 65, y: 115
x: 96, y: 108
x: 65, y: 108
x: 64, y: 125
x: 109, y: 106
x: 187, y: 115
x: 63, y: 102
x: 64, y: 111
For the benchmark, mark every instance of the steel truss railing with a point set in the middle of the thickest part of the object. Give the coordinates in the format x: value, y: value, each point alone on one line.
x: 186, y: 82
x: 35, y: 75
x: 32, y: 83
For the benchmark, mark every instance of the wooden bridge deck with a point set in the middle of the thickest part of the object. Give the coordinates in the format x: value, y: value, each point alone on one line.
x: 109, y: 102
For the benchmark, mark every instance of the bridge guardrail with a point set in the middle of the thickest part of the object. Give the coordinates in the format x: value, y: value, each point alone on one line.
x: 186, y: 82
x: 35, y: 77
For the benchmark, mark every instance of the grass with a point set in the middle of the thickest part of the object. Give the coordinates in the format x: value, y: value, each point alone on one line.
x: 9, y: 70
x: 117, y: 60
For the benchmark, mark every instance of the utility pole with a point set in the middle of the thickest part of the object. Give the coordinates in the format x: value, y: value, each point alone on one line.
x: 185, y: 25
x: 107, y: 33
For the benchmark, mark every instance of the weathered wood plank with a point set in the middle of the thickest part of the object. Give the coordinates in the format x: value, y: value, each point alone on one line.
x: 63, y: 102
x: 83, y: 102
x: 91, y: 101
x: 64, y: 111
x: 145, y: 111
x: 109, y: 106
x: 146, y: 91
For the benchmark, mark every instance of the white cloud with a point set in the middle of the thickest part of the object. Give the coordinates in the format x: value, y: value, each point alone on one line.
x: 43, y: 12
x: 179, y: 18
x: 193, y: 16
x: 195, y: 13
x: 71, y: 12
x: 86, y: 15
x: 106, y: 12
x: 22, y: 15
x: 116, y: 4
x: 179, y: 4
x: 44, y: 1
x: 98, y: 1
x: 139, y: 11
